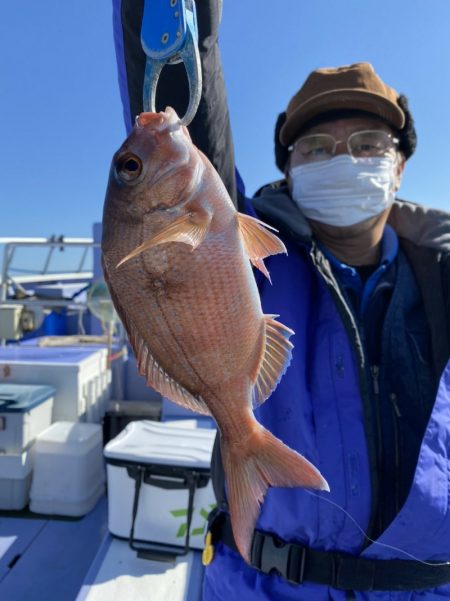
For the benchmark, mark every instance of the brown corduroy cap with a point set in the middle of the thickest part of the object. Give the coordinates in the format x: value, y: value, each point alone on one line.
x: 355, y: 87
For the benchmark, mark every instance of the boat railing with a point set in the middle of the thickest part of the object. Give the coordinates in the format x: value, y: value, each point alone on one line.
x: 79, y: 272
x: 19, y: 276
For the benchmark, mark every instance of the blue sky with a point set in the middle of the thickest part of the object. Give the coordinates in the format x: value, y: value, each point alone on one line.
x: 61, y: 116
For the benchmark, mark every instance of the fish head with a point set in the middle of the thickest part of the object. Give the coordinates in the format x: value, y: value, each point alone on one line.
x: 154, y: 169
x: 155, y: 173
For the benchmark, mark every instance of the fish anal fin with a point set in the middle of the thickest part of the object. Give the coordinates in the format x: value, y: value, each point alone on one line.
x: 148, y: 367
x: 276, y: 359
x: 158, y: 379
x: 190, y: 228
x: 258, y: 241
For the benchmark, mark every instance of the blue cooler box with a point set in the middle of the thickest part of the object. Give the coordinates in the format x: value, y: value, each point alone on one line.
x: 25, y: 411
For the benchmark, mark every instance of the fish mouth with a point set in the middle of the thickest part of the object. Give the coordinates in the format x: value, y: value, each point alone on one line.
x: 162, y: 120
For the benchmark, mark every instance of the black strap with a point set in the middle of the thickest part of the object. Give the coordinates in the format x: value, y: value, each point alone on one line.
x: 297, y: 563
x: 156, y: 551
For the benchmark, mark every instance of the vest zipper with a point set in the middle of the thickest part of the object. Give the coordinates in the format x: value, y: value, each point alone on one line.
x: 395, y: 417
x: 396, y: 414
x: 375, y: 374
x: 393, y: 399
x: 375, y: 369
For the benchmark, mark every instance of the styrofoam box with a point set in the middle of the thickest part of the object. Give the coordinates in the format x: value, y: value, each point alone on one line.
x: 115, y: 375
x: 25, y: 411
x: 162, y: 513
x: 80, y: 377
x: 15, y: 479
x: 69, y: 476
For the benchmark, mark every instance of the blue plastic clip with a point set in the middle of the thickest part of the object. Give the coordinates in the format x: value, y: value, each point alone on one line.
x: 169, y: 35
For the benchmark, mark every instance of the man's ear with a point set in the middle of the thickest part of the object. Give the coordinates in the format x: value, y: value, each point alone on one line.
x: 401, y: 162
x: 287, y: 166
x: 281, y: 152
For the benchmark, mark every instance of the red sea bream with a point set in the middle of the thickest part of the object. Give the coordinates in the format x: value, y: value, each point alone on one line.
x: 177, y: 258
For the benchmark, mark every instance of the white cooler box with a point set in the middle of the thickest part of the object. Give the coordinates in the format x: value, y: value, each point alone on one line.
x: 25, y: 411
x: 159, y: 481
x: 80, y: 377
x: 15, y: 479
x: 69, y: 476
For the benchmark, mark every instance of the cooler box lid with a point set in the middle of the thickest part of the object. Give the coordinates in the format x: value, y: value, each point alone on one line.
x: 159, y: 443
x: 45, y: 355
x: 19, y: 398
x: 68, y: 438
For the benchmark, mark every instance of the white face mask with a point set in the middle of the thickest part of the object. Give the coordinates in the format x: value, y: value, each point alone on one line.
x: 343, y: 191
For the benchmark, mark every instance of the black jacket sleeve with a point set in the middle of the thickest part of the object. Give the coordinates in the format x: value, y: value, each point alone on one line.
x: 210, y: 129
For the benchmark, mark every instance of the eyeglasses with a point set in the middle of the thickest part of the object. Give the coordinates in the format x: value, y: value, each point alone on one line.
x: 367, y: 143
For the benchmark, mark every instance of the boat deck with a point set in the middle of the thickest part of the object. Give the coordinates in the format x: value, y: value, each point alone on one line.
x: 46, y: 558
x: 117, y: 574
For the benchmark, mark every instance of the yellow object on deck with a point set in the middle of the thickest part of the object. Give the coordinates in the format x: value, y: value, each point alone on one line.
x: 208, y: 551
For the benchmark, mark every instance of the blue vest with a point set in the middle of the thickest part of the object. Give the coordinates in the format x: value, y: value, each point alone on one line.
x: 318, y: 410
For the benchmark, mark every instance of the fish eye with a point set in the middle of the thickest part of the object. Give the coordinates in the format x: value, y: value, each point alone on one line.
x: 129, y: 167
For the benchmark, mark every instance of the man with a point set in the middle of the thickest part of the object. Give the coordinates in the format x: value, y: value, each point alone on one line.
x: 366, y: 288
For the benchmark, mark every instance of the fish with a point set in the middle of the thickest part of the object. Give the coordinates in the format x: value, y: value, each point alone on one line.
x: 178, y: 260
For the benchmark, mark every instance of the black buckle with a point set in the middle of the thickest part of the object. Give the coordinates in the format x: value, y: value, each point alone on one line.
x: 273, y: 556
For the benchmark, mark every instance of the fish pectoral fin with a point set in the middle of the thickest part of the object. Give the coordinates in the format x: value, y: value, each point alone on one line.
x: 190, y: 228
x: 276, y: 359
x: 258, y: 241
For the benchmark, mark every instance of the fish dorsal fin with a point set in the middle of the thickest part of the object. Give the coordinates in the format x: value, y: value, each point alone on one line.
x: 276, y: 359
x: 190, y: 228
x: 258, y: 241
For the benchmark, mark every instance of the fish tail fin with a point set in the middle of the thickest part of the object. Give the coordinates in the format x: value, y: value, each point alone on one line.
x: 249, y: 470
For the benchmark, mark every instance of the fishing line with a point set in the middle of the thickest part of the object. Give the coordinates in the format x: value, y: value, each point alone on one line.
x: 410, y: 555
